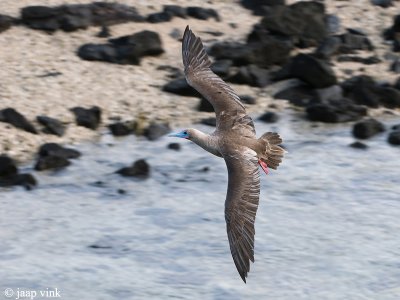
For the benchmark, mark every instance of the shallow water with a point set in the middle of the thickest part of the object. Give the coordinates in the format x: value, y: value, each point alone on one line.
x: 327, y: 226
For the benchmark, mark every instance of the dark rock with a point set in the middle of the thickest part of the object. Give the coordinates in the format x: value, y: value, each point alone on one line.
x: 361, y: 89
x: 28, y: 181
x: 392, y: 33
x: 212, y: 121
x: 205, y: 105
x: 328, y: 47
x: 159, y: 17
x: 382, y: 3
x: 155, y: 131
x: 258, y: 6
x: 246, y: 99
x: 301, y: 95
x: 269, y: 117
x: 71, y: 23
x: 110, y: 13
x: 388, y: 97
x: 121, y: 129
x: 41, y: 17
x: 13, y: 117
x: 335, y: 111
x: 175, y: 10
x: 89, y: 118
x: 222, y: 67
x: 261, y: 49
x: 364, y: 60
x: 124, y: 50
x: 77, y: 16
x: 303, y: 21
x: 5, y: 22
x: 313, y: 71
x: 367, y: 128
x: 267, y: 50
x: 325, y: 95
x: 121, y: 191
x: 53, y: 149
x: 38, y: 12
x: 52, y: 126
x: 251, y: 75
x: 202, y: 13
x: 103, y: 52
x: 173, y: 72
x: 174, y: 146
x: 364, y: 90
x: 139, y: 168
x: 7, y: 166
x: 104, y: 32
x: 180, y: 87
x: 396, y: 127
x: 395, y: 66
x: 51, y: 162
x: 239, y: 54
x: 358, y: 145
x: 397, y: 84
x: 394, y: 137
x: 354, y: 40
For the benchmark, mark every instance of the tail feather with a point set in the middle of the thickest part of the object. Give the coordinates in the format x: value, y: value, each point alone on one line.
x: 273, y: 154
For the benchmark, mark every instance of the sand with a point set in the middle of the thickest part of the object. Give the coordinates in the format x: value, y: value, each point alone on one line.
x: 124, y: 91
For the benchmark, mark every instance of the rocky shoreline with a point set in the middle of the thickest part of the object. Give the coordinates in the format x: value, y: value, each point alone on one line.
x: 74, y: 72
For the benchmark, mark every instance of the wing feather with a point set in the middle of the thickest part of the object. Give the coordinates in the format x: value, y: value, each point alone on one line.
x: 199, y: 75
x: 241, y: 204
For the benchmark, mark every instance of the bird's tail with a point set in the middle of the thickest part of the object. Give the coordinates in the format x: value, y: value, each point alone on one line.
x: 273, y: 152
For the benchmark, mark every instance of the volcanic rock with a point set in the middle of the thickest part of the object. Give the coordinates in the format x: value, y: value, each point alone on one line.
x: 335, y: 111
x: 139, y: 168
x: 251, y: 75
x: 124, y: 50
x: 13, y: 117
x: 5, y: 22
x: 394, y: 137
x: 52, y: 126
x: 89, y: 118
x: 121, y: 129
x: 77, y: 16
x: 155, y: 131
x: 269, y: 117
x: 367, y: 128
x: 180, y: 87
x: 53, y: 149
x: 202, y: 13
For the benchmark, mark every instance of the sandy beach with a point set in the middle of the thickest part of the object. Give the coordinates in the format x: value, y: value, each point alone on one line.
x: 128, y: 91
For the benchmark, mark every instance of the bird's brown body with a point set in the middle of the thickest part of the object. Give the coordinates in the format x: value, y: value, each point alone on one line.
x: 234, y: 140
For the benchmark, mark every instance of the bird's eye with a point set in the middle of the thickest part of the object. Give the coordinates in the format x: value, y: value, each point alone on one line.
x: 185, y: 132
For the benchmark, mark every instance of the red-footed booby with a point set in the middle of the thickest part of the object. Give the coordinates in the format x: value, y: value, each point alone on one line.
x: 234, y: 140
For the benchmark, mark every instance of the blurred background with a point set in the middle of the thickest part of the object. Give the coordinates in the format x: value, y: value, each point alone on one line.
x: 98, y: 203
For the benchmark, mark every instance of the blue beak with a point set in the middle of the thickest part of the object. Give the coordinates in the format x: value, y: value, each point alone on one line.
x: 182, y: 134
x: 176, y: 134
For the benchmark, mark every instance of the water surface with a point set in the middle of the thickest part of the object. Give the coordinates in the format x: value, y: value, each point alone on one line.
x: 327, y: 226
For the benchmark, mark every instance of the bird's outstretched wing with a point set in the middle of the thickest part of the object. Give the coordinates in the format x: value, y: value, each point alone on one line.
x: 241, y: 204
x: 224, y: 100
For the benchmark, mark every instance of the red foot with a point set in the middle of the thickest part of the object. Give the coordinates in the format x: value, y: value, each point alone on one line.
x: 263, y: 166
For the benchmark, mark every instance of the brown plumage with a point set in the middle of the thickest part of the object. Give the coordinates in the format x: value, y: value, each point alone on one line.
x: 235, y: 140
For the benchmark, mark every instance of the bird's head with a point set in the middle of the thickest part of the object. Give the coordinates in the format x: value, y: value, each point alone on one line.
x: 184, y: 134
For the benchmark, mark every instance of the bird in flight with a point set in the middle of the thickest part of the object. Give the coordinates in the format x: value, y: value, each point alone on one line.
x: 234, y: 139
